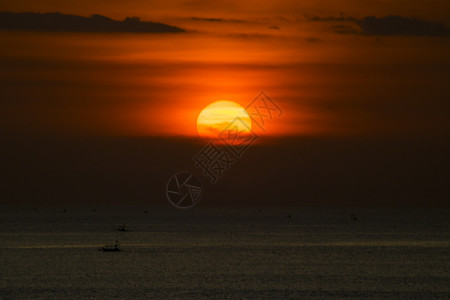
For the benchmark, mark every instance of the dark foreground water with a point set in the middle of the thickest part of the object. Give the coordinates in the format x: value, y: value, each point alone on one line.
x: 276, y: 253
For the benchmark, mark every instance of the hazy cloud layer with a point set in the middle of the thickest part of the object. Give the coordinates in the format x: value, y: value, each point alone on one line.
x: 345, y: 29
x: 342, y: 18
x: 383, y: 26
x: 71, y: 23
x: 218, y: 20
x: 401, y: 26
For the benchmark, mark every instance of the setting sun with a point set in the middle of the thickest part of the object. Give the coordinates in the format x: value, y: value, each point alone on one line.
x: 217, y: 116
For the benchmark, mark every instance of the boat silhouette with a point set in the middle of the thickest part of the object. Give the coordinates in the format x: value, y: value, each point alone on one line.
x: 114, y: 248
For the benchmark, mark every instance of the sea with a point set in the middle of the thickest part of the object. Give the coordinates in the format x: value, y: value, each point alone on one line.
x: 55, y: 252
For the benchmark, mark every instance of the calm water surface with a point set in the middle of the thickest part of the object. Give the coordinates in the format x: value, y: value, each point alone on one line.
x: 220, y: 253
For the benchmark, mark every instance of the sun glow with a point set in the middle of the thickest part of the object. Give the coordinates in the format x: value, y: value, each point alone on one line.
x: 221, y: 115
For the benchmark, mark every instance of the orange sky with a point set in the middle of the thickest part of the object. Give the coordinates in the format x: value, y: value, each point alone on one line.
x: 143, y: 84
x: 160, y: 10
x: 97, y: 117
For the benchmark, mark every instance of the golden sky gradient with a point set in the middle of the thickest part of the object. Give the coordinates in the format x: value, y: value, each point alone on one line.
x: 90, y: 117
x: 327, y: 81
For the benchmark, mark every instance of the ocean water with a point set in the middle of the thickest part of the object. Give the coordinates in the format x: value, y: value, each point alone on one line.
x: 51, y: 252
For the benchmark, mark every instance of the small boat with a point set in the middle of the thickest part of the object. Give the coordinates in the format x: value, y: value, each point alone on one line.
x: 122, y: 228
x: 110, y: 249
x: 114, y: 248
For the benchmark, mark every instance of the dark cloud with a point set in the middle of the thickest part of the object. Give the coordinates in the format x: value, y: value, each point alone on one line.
x: 345, y: 29
x: 300, y: 171
x: 274, y: 27
x: 250, y: 35
x: 401, y: 26
x: 218, y: 20
x: 71, y: 23
x: 341, y: 18
x: 312, y: 39
x: 384, y: 26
